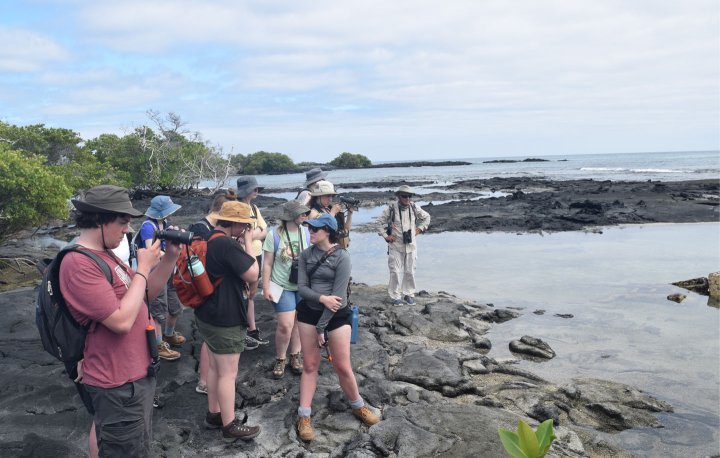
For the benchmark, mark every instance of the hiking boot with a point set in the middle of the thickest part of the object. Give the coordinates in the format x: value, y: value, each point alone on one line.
x: 166, y: 353
x: 279, y: 368
x: 305, y: 429
x: 255, y: 335
x: 213, y: 420
x: 395, y: 301
x: 201, y: 388
x: 157, y: 403
x: 296, y: 364
x: 175, y: 339
x: 250, y: 343
x: 366, y: 415
x: 409, y: 300
x: 238, y: 430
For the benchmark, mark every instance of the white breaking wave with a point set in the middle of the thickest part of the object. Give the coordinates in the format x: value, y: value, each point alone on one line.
x: 602, y: 169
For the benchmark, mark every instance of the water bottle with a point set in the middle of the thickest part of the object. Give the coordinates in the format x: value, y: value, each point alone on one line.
x: 200, y: 279
x: 354, y: 316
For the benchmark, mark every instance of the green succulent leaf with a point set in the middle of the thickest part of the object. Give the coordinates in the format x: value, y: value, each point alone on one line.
x: 528, y: 440
x: 511, y: 442
x: 545, y: 436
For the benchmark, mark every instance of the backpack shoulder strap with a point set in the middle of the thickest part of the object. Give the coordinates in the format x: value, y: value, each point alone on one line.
x: 276, y: 240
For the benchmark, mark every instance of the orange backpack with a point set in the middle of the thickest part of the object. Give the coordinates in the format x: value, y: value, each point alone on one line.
x: 191, y: 280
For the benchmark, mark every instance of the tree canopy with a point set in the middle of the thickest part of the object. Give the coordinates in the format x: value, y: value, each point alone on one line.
x: 351, y: 161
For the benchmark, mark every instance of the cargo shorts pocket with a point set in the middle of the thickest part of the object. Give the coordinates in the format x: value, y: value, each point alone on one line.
x: 123, y: 439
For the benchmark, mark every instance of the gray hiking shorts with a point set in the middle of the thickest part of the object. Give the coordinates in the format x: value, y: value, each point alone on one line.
x: 166, y: 304
x: 123, y: 418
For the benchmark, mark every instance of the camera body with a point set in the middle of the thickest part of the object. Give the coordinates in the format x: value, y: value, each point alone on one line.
x: 349, y: 201
x: 294, y: 271
x: 407, y: 236
x: 177, y: 237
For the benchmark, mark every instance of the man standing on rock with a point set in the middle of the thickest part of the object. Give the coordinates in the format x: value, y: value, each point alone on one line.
x: 118, y: 370
x: 399, y: 224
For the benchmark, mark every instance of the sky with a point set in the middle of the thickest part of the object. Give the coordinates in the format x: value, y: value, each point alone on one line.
x: 392, y: 80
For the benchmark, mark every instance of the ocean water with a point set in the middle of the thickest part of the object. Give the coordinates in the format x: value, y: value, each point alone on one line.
x: 662, y: 166
x: 615, y: 283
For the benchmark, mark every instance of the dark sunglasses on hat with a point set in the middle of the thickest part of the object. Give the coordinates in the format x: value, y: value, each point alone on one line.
x: 404, y: 196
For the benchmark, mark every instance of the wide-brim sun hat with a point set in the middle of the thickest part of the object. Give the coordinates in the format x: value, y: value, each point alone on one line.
x: 292, y: 209
x: 161, y: 207
x: 314, y: 175
x: 324, y: 220
x: 234, y: 211
x: 405, y: 189
x: 106, y: 199
x: 246, y: 185
x: 324, y: 188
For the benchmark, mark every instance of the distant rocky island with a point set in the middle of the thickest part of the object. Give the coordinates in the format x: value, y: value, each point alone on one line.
x: 512, y: 161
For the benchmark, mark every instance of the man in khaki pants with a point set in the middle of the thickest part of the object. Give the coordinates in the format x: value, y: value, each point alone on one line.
x: 399, y: 224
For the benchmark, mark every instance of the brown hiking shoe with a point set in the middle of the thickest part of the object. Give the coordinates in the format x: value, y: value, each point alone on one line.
x: 279, y: 368
x: 296, y: 364
x: 175, y: 339
x: 166, y: 353
x: 213, y: 420
x: 366, y: 415
x: 238, y: 430
x: 305, y: 429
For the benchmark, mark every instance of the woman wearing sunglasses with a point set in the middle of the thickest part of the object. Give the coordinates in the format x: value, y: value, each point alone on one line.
x: 324, y: 319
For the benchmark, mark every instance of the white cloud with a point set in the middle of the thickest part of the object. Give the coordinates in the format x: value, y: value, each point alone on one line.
x: 27, y: 51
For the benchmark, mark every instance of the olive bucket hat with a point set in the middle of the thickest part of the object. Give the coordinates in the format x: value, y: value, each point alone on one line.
x: 106, y: 199
x: 292, y: 209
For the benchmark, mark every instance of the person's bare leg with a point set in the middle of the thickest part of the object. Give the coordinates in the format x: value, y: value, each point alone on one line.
x: 311, y: 363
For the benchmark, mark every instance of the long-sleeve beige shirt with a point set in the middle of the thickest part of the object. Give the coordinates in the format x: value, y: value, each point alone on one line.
x: 409, y: 217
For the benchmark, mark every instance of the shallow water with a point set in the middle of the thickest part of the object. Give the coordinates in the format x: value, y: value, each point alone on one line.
x: 615, y: 284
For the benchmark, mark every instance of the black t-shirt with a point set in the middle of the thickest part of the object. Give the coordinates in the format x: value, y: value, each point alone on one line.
x: 226, y: 306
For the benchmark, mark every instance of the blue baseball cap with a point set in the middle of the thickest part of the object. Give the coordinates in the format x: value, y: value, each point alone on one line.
x: 324, y: 220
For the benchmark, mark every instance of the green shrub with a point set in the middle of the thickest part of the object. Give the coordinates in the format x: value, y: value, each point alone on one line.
x: 527, y: 443
x: 31, y: 193
x: 351, y: 161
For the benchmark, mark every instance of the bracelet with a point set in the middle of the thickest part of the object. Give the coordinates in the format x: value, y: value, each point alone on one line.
x: 143, y: 276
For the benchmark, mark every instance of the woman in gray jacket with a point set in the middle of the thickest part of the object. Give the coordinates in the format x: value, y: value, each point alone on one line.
x: 324, y: 319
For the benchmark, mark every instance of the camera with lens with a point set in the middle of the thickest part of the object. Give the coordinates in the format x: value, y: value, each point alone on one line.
x: 349, y: 201
x: 177, y: 237
x: 407, y: 236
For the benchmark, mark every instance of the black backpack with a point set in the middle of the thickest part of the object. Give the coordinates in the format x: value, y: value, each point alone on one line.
x: 61, y: 335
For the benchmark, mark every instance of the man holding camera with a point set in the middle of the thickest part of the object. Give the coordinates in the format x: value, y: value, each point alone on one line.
x: 399, y: 224
x: 118, y: 369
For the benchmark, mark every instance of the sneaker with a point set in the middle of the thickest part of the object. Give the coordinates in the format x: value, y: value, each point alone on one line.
x: 409, y: 300
x: 279, y: 368
x: 396, y: 302
x: 201, y: 388
x: 305, y: 429
x: 157, y: 403
x: 255, y: 335
x: 366, y: 415
x: 238, y: 430
x: 296, y: 364
x: 213, y: 420
x: 250, y: 343
x: 175, y: 339
x: 166, y: 353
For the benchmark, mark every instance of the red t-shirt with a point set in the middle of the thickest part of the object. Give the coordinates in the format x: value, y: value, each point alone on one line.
x: 111, y: 359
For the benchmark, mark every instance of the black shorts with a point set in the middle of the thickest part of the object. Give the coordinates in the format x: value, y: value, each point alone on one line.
x: 308, y: 316
x: 259, y: 261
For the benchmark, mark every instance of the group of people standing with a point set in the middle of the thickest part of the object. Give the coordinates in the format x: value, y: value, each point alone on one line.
x: 304, y: 267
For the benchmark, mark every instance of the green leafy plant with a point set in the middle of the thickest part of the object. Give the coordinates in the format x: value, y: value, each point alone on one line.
x: 527, y: 443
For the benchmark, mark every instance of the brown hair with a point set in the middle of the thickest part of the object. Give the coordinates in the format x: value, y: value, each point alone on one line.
x: 222, y: 197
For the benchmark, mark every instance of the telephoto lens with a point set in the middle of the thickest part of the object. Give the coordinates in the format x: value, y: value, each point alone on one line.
x: 178, y: 237
x: 349, y: 200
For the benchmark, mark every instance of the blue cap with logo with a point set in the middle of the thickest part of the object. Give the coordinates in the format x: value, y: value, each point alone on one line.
x: 324, y: 220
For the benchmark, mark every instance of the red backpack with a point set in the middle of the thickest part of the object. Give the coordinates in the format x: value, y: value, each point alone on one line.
x: 191, y: 280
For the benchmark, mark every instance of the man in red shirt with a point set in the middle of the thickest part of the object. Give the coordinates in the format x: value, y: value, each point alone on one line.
x: 117, y: 357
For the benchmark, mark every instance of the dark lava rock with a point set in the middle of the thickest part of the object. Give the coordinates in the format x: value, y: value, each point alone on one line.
x: 677, y: 297
x: 533, y: 347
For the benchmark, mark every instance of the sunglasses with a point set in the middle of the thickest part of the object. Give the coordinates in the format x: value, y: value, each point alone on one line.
x: 404, y: 196
x: 315, y: 229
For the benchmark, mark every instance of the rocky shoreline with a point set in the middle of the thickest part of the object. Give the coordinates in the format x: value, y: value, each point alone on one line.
x: 424, y: 367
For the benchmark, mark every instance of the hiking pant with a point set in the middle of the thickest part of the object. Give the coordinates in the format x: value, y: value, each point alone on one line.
x: 402, y: 274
